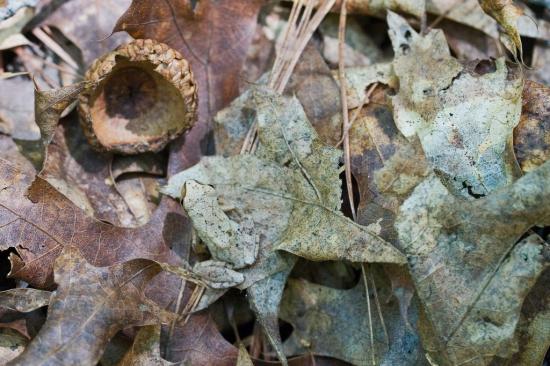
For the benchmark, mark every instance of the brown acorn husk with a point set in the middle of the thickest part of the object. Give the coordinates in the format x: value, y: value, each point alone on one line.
x: 143, y: 96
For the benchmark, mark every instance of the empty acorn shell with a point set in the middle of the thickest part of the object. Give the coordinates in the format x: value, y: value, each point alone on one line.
x: 143, y: 95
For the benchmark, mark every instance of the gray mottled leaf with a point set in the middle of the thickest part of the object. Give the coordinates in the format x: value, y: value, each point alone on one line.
x: 24, y: 299
x: 464, y: 115
x: 335, y: 323
x: 469, y: 274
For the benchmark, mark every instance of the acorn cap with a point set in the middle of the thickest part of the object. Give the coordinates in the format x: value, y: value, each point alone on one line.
x: 142, y: 96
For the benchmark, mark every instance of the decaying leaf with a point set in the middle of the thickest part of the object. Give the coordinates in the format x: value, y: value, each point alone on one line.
x: 145, y: 350
x: 359, y: 78
x: 532, y: 134
x: 82, y: 175
x: 49, y: 104
x: 335, y: 323
x: 469, y: 274
x: 24, y: 299
x: 89, y: 306
x: 467, y: 12
x: 463, y: 115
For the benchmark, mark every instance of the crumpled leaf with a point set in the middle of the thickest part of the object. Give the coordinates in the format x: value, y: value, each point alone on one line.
x: 24, y: 299
x: 506, y: 14
x: 467, y: 12
x: 146, y: 349
x: 335, y: 323
x: 470, y: 275
x: 228, y: 241
x: 532, y: 134
x: 89, y: 306
x: 311, y: 82
x: 39, y: 222
x: 49, y: 104
x: 464, y: 119
x: 213, y: 35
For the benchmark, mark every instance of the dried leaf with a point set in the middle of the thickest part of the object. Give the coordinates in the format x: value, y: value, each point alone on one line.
x: 88, y: 25
x: 464, y: 118
x: 24, y: 299
x: 532, y: 134
x: 89, y: 306
x: 385, y: 165
x: 228, y: 241
x: 533, y: 329
x: 469, y: 274
x: 83, y: 176
x: 11, y: 28
x: 200, y: 343
x: 293, y: 197
x: 306, y: 193
x: 38, y: 221
x: 244, y: 358
x: 49, y: 104
x: 359, y: 78
x: 16, y: 109
x: 146, y: 349
x: 506, y: 14
x: 213, y: 35
x: 335, y: 323
x: 12, y: 344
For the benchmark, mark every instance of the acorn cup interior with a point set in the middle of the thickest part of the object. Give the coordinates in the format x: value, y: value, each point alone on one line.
x: 135, y: 105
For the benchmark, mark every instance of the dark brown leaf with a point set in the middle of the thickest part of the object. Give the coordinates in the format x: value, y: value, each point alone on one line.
x: 88, y: 24
x: 200, y: 343
x: 39, y: 222
x: 213, y: 35
x: 89, y: 307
